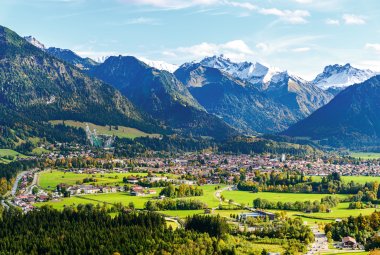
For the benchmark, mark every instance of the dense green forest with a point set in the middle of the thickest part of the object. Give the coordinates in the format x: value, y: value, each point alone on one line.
x: 241, y: 145
x: 89, y: 229
x: 92, y: 231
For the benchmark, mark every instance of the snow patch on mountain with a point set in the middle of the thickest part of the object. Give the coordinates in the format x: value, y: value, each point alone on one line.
x: 341, y: 76
x: 160, y: 65
x: 251, y: 72
x: 35, y: 42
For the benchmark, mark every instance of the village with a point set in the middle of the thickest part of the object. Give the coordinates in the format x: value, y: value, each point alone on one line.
x: 187, y: 168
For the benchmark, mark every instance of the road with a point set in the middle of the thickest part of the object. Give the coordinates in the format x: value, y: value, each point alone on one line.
x: 33, y: 184
x: 4, y: 204
x: 320, y: 244
x: 15, y: 185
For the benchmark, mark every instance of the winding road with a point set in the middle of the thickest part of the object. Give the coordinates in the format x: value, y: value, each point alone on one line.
x: 15, y: 185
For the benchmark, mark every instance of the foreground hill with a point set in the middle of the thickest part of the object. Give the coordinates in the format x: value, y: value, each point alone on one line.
x: 162, y: 95
x: 40, y: 87
x: 351, y: 119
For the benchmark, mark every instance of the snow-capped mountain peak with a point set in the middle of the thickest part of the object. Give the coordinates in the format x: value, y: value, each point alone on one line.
x: 35, y: 42
x: 251, y: 72
x: 341, y: 76
x: 160, y: 65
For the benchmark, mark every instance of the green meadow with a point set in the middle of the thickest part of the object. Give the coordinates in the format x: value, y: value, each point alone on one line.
x: 357, y: 179
x: 247, y: 197
x: 108, y: 198
x: 51, y: 178
x: 341, y: 211
x: 365, y: 155
x: 139, y: 201
x: 119, y: 131
x: 5, y: 153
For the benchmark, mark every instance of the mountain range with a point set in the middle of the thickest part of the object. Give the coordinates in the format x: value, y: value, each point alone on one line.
x: 213, y: 97
x: 351, y: 119
x: 40, y: 87
x: 162, y: 95
x: 250, y: 96
x: 336, y: 78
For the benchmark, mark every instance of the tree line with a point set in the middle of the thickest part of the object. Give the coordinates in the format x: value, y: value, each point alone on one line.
x: 307, y: 206
x: 174, y: 204
x: 183, y: 190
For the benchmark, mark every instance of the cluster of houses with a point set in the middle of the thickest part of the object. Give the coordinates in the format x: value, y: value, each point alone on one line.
x: 25, y: 180
x: 141, y: 191
x: 92, y: 189
x: 25, y: 201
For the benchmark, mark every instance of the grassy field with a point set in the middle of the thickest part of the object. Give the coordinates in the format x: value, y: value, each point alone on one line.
x: 123, y: 197
x: 247, y: 197
x: 108, y: 198
x: 346, y: 253
x: 50, y: 179
x: 209, y: 195
x: 249, y: 247
x: 70, y: 201
x: 38, y: 151
x: 357, y: 179
x: 341, y: 211
x: 6, y: 152
x: 121, y: 131
x: 365, y: 155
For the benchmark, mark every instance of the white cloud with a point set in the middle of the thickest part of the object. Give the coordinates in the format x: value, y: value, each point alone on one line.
x: 332, y: 22
x: 304, y: 1
x: 373, y: 46
x: 244, y: 5
x: 288, y: 44
x: 293, y: 17
x: 373, y: 65
x: 290, y: 16
x: 172, y: 4
x: 142, y: 21
x: 351, y: 19
x: 236, y: 50
x: 302, y: 49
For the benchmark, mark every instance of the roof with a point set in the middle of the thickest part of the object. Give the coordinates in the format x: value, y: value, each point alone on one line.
x: 348, y: 239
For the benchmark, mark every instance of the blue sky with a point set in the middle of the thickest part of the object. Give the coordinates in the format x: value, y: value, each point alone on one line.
x: 301, y: 36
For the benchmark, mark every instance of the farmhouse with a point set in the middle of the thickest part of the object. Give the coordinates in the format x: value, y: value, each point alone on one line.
x: 132, y: 179
x: 137, y: 191
x: 257, y: 214
x: 108, y: 189
x: 156, y: 178
x: 349, y: 242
